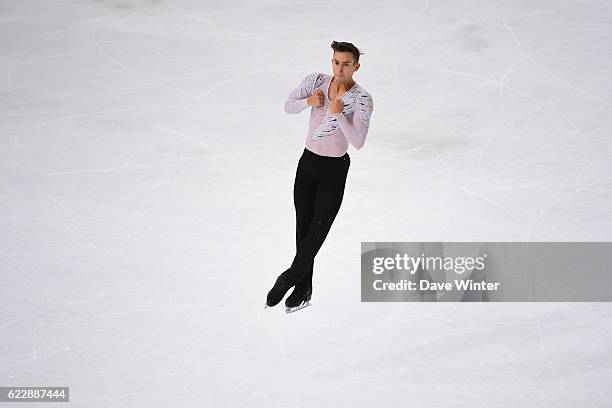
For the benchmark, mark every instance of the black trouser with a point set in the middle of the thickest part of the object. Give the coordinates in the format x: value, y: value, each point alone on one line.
x: 317, y: 195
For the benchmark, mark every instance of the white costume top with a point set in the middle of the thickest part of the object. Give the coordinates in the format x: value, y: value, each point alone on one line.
x: 329, y: 134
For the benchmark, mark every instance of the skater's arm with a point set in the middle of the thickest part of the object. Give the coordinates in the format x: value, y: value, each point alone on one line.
x: 295, y: 104
x: 357, y: 131
x: 298, y: 98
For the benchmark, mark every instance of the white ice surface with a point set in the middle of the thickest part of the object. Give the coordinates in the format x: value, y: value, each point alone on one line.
x: 146, y: 174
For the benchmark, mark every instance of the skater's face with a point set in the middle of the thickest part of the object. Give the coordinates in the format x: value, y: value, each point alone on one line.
x: 343, y: 64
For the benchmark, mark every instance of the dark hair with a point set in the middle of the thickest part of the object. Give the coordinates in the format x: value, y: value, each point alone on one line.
x: 346, y: 47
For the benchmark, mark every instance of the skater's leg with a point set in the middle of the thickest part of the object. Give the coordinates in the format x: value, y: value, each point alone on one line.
x: 302, y: 290
x: 304, y: 192
x: 331, y: 174
x: 327, y: 204
x: 304, y: 208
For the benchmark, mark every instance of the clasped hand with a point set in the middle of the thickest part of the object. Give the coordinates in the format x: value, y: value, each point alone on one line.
x: 335, y: 106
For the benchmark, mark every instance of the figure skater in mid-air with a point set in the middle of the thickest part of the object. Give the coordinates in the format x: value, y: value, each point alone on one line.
x: 340, y: 114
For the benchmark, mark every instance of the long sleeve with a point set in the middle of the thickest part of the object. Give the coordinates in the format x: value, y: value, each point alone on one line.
x: 357, y: 131
x: 295, y: 104
x: 297, y: 99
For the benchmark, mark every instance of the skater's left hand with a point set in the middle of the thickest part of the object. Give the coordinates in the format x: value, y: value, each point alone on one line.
x: 337, y: 105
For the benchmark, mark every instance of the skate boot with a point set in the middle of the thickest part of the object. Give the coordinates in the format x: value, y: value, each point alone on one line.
x: 278, y: 291
x: 299, y: 299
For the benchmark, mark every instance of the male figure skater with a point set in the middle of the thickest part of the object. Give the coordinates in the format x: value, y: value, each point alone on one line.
x: 340, y: 114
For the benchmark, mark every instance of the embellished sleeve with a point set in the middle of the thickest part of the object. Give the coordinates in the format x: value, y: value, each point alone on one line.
x: 357, y: 131
x: 296, y: 102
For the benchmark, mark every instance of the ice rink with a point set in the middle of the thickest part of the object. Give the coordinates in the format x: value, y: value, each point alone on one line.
x: 146, y: 208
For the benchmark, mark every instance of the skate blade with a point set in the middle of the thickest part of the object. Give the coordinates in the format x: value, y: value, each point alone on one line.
x: 295, y: 309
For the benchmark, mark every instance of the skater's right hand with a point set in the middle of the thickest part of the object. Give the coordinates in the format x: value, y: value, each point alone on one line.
x: 316, y: 99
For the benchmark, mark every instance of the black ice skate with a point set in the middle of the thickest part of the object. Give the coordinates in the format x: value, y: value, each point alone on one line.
x: 278, y: 291
x: 299, y: 299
